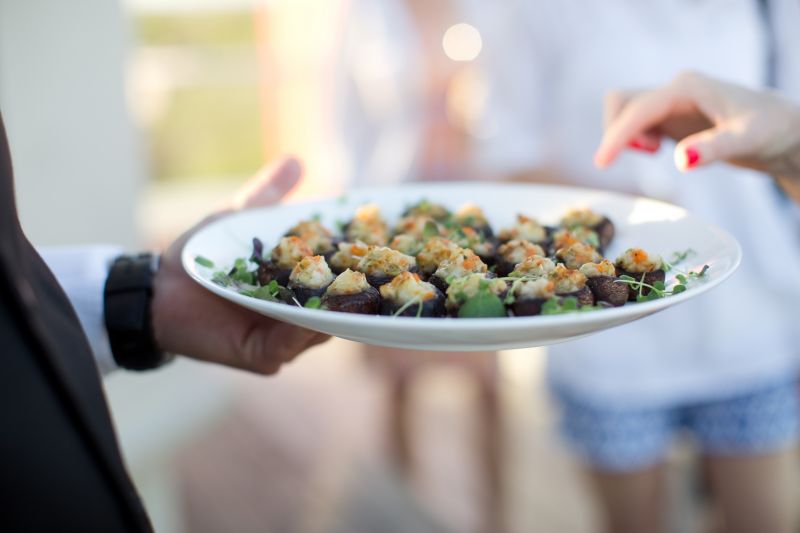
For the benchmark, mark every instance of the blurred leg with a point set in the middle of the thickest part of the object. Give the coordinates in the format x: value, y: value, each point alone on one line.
x: 491, y: 441
x: 756, y: 493
x: 750, y: 448
x: 400, y: 421
x: 632, y: 501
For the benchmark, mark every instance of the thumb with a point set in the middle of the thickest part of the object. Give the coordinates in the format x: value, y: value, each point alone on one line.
x: 269, y: 185
x: 720, y: 143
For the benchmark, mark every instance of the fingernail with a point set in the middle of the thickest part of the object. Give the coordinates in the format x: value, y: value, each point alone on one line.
x: 692, y: 157
x: 637, y: 146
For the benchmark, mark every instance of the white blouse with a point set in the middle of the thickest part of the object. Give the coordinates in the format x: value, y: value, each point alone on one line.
x: 548, y: 65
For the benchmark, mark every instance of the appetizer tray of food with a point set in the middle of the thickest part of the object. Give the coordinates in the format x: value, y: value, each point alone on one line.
x: 462, y: 266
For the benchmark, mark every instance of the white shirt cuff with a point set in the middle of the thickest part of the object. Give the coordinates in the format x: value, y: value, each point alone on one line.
x: 82, y: 272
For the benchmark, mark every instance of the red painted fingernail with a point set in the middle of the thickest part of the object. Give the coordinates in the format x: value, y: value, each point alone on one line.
x: 637, y: 146
x: 692, y: 157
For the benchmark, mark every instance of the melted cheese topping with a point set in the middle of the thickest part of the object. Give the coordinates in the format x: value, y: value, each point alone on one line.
x: 536, y: 266
x: 567, y: 280
x: 467, y: 237
x: 368, y: 226
x: 317, y: 236
x: 517, y: 251
x: 460, y: 263
x: 289, y: 251
x: 428, y: 209
x: 350, y: 254
x: 408, y: 244
x: 526, y: 228
x: 385, y: 261
x: 434, y: 252
x: 541, y: 288
x: 471, y: 215
x: 603, y: 268
x: 577, y: 254
x: 581, y: 217
x: 566, y: 237
x: 638, y: 261
x: 406, y: 287
x: 348, y: 282
x: 414, y: 225
x: 312, y: 272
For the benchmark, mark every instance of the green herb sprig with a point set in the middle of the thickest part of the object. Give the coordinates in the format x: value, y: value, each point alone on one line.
x: 563, y: 306
x: 416, y: 300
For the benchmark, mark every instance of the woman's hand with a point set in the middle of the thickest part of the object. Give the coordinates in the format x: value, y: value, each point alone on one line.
x: 189, y: 320
x: 712, y: 121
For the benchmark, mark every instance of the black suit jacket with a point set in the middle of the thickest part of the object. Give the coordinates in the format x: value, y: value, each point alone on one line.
x: 60, y: 465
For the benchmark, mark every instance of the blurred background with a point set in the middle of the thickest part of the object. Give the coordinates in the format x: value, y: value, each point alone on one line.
x: 130, y: 120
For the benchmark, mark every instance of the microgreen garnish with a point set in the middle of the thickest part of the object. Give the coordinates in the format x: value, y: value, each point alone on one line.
x: 342, y: 199
x: 315, y: 302
x: 484, y: 304
x: 563, y: 306
x: 416, y: 300
x: 269, y: 292
x: 202, y: 261
x: 316, y: 216
x: 221, y: 278
x: 658, y: 289
x: 240, y: 273
x: 676, y: 258
x: 430, y: 230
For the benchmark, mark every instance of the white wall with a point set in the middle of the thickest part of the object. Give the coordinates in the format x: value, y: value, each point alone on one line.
x: 77, y: 157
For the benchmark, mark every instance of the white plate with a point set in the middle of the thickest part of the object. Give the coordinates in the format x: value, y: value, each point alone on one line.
x: 656, y: 226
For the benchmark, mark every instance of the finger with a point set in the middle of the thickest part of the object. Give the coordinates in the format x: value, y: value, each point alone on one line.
x: 642, y: 114
x: 269, y: 185
x: 716, y: 144
x: 613, y: 103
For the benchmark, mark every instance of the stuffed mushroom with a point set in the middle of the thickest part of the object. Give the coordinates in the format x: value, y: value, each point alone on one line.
x: 566, y: 237
x: 535, y: 266
x: 529, y: 295
x: 309, y: 278
x: 382, y: 264
x: 472, y: 216
x: 351, y: 293
x: 348, y: 255
x: 436, y: 250
x: 406, y: 243
x: 283, y: 258
x: 408, y: 295
x: 461, y: 263
x: 602, y: 280
x: 570, y: 282
x: 478, y: 242
x: 576, y: 254
x: 641, y: 266
x: 514, y: 252
x: 418, y: 226
x: 315, y: 235
x: 528, y: 229
x: 367, y: 226
x: 586, y: 218
x: 428, y: 209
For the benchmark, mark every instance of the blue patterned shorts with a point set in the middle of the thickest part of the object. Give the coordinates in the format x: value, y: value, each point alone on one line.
x: 763, y: 420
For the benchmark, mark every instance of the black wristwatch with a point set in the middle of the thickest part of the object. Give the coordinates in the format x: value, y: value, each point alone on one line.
x: 127, y: 297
